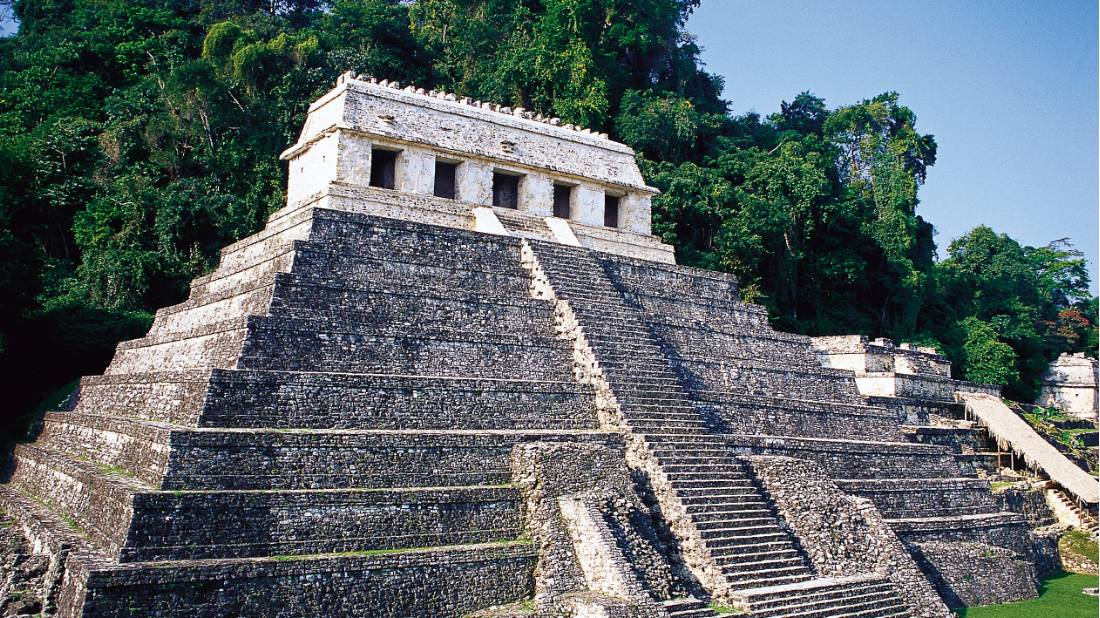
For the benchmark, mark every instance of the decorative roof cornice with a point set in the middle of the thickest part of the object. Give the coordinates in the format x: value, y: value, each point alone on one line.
x: 518, y: 112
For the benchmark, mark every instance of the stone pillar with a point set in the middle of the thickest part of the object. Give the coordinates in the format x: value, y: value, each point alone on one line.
x: 475, y: 183
x: 416, y: 171
x: 335, y: 157
x: 536, y: 194
x: 353, y: 159
x: 589, y: 205
x: 634, y: 213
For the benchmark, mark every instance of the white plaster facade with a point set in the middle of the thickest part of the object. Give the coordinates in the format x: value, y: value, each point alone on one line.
x: 1070, y: 384
x: 330, y: 166
x: 886, y: 369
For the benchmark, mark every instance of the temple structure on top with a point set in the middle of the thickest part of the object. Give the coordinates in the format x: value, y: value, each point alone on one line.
x: 432, y: 157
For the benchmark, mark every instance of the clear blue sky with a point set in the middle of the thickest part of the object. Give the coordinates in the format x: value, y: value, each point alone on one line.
x: 1008, y: 88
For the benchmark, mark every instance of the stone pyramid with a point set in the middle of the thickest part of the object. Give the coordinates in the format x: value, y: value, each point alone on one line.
x: 417, y: 392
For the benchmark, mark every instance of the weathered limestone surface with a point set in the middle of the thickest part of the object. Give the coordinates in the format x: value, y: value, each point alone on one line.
x: 361, y: 115
x: 841, y: 534
x: 367, y: 399
x: 975, y: 573
x: 1070, y: 384
x: 371, y: 408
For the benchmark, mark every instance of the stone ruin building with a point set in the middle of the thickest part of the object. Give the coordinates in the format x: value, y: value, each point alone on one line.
x: 1070, y: 384
x: 457, y: 375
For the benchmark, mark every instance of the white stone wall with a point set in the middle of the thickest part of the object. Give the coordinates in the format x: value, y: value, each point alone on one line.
x: 1070, y: 384
x: 589, y: 200
x: 416, y: 171
x: 464, y: 129
x: 475, y: 183
x: 357, y: 117
x: 536, y: 194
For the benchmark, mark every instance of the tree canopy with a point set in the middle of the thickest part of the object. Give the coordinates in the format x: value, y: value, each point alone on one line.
x: 138, y: 137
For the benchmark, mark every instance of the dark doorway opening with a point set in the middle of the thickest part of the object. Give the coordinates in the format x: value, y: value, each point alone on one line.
x: 445, y: 179
x: 383, y: 168
x: 562, y: 195
x: 505, y: 190
x: 611, y: 211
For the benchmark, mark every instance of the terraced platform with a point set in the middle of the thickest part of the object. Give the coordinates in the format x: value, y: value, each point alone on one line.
x: 337, y: 435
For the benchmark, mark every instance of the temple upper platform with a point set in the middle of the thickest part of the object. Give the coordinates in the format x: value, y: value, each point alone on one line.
x: 433, y: 157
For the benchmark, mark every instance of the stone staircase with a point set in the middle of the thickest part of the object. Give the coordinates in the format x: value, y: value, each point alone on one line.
x: 742, y: 548
x: 856, y: 597
x: 1087, y: 521
x: 770, y: 397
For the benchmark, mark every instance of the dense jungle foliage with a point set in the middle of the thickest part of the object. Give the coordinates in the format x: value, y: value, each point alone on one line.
x: 139, y: 136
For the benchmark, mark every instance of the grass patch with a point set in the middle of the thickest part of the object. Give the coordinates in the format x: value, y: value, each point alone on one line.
x: 1059, y: 597
x: 999, y: 486
x: 1081, y: 543
x: 725, y: 610
x: 1069, y: 441
x: 115, y: 471
x: 380, y: 552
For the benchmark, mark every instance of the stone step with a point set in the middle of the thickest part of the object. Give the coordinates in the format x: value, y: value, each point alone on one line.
x: 724, y: 469
x: 721, y: 517
x: 175, y: 397
x: 695, y: 481
x: 728, y: 509
x: 689, y: 495
x: 94, y: 502
x: 356, y: 268
x: 997, y: 528
x: 749, y: 578
x: 763, y: 519
x: 901, y: 498
x: 409, y: 238
x: 225, y: 281
x: 647, y: 424
x: 762, y: 579
x: 252, y: 298
x: 767, y: 597
x: 773, y: 552
x: 691, y: 453
x: 724, y: 538
x: 688, y: 608
x: 295, y: 345
x: 320, y: 400
x: 753, y: 566
x: 733, y: 555
x: 857, y: 606
x: 296, y: 459
x: 450, y: 581
x: 232, y: 524
x: 138, y: 524
x: 302, y: 297
x: 649, y: 411
x: 731, y: 474
x: 206, y: 346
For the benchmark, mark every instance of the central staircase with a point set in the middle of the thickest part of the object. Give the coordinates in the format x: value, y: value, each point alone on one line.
x: 743, y: 548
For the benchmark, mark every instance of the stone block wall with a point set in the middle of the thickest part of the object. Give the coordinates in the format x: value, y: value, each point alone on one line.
x: 971, y: 574
x: 843, y: 536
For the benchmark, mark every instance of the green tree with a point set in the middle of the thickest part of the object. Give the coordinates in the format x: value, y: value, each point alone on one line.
x: 986, y: 358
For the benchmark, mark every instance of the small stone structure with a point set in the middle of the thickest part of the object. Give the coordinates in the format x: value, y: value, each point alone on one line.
x: 445, y: 155
x: 457, y: 375
x: 1070, y: 384
x: 884, y: 369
